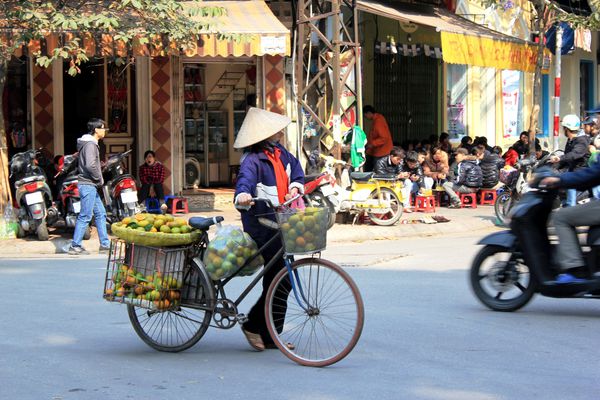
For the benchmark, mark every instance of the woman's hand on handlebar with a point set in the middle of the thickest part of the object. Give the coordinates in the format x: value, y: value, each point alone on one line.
x: 293, y: 193
x: 245, y: 199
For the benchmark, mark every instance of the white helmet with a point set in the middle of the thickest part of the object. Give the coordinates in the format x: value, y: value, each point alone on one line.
x: 571, y: 122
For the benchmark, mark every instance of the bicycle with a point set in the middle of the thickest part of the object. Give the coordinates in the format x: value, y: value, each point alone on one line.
x: 320, y: 326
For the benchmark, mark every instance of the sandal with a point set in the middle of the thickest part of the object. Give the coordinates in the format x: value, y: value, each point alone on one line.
x: 289, y: 345
x: 254, y: 340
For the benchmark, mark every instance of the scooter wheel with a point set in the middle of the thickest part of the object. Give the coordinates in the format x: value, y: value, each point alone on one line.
x: 501, y: 280
x: 42, y: 231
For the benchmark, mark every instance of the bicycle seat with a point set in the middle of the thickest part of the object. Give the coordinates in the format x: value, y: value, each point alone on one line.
x: 386, y: 177
x: 361, y: 176
x: 203, y: 223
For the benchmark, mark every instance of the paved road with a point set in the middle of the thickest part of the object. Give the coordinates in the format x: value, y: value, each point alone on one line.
x: 425, y: 337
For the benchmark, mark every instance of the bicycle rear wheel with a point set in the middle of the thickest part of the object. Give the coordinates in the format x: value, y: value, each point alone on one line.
x: 180, y: 328
x: 324, y: 323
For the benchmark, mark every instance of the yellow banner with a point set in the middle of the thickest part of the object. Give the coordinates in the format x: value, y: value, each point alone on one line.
x: 486, y: 52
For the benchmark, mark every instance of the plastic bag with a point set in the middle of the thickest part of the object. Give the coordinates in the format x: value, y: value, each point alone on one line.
x: 229, y: 250
x: 9, y: 226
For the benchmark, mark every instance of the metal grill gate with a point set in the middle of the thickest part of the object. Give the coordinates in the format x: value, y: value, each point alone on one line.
x: 407, y: 94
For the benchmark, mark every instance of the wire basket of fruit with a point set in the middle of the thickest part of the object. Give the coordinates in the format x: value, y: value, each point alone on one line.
x: 155, y: 230
x: 144, y: 276
x: 303, y: 231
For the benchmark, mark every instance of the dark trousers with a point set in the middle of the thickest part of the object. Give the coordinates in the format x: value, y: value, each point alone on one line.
x: 158, y: 192
x: 256, y: 317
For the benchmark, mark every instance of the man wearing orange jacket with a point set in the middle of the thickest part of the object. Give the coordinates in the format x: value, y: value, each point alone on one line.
x: 379, y: 139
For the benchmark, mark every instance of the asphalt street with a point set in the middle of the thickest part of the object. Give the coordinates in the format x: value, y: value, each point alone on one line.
x: 425, y: 337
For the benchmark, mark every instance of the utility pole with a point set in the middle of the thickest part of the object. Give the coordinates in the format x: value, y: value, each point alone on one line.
x: 559, y: 34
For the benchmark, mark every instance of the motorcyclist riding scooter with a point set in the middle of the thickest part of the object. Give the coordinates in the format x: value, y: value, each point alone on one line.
x: 516, y: 264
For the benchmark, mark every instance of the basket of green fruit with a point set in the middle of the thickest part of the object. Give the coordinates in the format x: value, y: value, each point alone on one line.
x: 303, y: 231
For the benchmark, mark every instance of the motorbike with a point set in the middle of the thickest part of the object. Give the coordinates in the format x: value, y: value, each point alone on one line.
x: 377, y: 196
x: 320, y: 190
x: 33, y: 197
x: 68, y: 204
x: 119, y: 191
x: 515, y: 186
x: 516, y: 264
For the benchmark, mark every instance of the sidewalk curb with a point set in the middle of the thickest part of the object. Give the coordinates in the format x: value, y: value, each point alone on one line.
x: 461, y: 221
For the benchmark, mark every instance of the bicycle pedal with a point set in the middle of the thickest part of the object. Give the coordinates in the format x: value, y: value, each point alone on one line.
x: 241, y: 318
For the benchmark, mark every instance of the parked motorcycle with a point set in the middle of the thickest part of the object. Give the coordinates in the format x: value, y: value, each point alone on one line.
x: 515, y: 264
x: 380, y: 197
x: 321, y: 190
x: 119, y: 190
x: 68, y: 202
x: 33, y: 197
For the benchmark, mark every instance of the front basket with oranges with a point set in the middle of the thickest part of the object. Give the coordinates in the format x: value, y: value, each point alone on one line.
x: 145, y: 277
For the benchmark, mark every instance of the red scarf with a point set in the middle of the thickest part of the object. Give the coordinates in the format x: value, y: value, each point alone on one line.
x: 280, y: 175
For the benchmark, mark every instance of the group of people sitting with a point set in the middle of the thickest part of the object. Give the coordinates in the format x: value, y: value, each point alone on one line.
x: 475, y: 165
x: 465, y: 171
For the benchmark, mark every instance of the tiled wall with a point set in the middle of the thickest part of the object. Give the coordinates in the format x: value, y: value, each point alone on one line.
x: 42, y: 91
x: 274, y: 84
x: 161, y: 114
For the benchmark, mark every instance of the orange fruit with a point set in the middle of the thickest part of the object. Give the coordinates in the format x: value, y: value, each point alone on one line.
x: 300, y: 242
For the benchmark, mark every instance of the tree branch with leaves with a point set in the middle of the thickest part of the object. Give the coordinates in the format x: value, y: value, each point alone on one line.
x: 161, y: 26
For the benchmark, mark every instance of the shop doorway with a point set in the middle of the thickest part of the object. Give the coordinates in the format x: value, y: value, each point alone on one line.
x: 215, y: 99
x: 407, y: 94
x: 15, y: 107
x: 83, y: 99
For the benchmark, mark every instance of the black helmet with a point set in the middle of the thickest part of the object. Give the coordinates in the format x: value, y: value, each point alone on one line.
x: 591, y: 120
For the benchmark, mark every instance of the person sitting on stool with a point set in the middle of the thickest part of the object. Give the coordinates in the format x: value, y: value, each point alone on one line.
x: 152, y: 174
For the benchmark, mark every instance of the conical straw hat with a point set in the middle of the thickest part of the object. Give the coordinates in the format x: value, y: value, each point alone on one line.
x: 259, y: 125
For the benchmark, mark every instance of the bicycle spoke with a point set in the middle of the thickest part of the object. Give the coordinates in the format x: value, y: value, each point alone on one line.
x: 330, y: 325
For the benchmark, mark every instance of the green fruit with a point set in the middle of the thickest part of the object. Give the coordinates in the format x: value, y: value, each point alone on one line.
x: 232, y: 258
x: 139, y: 228
x: 240, y: 261
x: 132, y: 225
x: 186, y: 229
x: 227, y: 266
x: 175, y: 230
x: 148, y: 227
x: 299, y: 227
x: 165, y: 229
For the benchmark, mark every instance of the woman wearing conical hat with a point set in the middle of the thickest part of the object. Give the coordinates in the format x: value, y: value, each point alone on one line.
x: 268, y: 170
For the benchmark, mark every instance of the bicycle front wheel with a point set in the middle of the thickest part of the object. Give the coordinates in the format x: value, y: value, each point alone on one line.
x: 180, y: 328
x: 322, y: 324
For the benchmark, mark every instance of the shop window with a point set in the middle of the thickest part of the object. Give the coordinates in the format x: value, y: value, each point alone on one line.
x: 117, y: 85
x: 512, y: 103
x: 457, y: 100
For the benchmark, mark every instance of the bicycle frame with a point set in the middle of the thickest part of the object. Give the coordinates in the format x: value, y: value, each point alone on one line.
x: 288, y: 259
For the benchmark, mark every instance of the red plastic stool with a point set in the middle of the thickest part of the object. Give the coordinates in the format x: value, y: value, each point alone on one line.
x: 487, y: 196
x: 425, y: 203
x: 176, y: 204
x: 471, y: 196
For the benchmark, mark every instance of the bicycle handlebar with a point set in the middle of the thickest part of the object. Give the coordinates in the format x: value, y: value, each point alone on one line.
x: 270, y: 203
